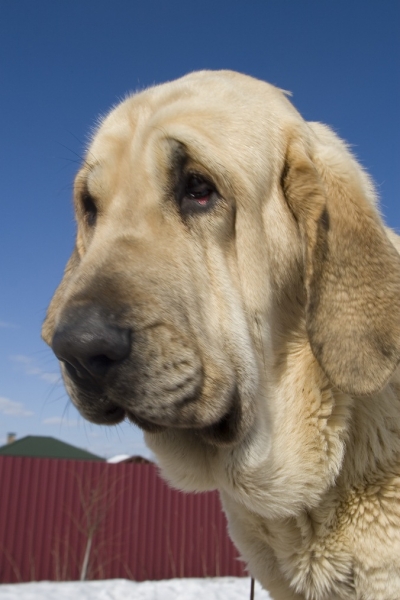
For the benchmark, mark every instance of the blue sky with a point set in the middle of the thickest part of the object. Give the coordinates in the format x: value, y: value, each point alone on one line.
x: 63, y: 64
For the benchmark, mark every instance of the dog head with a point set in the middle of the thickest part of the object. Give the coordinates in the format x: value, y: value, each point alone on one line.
x: 214, y: 226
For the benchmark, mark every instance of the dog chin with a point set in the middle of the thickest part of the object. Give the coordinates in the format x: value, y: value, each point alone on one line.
x: 96, y: 407
x: 225, y: 431
x: 145, y: 424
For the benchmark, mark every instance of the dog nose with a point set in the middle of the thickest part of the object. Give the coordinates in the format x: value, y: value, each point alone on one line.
x: 88, y: 343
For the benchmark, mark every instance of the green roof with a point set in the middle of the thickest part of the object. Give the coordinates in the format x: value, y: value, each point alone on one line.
x: 45, y: 447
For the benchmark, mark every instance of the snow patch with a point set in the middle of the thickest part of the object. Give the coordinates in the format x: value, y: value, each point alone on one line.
x: 218, y: 588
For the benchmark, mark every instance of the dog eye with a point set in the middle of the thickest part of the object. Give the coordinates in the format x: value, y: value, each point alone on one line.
x: 198, y: 194
x: 198, y: 189
x: 89, y: 210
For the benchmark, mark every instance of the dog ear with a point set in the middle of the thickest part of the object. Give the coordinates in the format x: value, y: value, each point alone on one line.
x: 352, y: 270
x: 49, y: 322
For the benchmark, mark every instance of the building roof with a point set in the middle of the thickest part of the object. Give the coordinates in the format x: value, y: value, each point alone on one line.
x: 126, y: 458
x: 45, y: 447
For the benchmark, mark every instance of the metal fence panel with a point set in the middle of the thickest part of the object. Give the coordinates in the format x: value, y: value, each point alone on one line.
x: 122, y: 517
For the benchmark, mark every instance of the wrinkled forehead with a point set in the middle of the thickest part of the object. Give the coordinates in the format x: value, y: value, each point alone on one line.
x: 229, y: 120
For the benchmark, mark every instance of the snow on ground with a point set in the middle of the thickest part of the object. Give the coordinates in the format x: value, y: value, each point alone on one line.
x: 218, y: 588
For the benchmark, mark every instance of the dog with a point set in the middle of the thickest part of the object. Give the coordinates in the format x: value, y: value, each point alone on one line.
x: 234, y: 292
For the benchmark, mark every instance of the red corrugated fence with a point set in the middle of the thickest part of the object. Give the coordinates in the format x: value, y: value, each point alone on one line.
x: 120, y: 520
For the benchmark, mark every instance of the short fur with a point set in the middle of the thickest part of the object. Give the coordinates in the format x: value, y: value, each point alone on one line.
x: 265, y: 331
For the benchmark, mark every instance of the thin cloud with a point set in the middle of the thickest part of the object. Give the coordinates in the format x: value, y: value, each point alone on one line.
x: 13, y: 409
x: 30, y: 368
x: 5, y: 325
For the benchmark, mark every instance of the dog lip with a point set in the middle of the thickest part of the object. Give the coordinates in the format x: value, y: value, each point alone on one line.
x: 223, y: 432
x: 115, y: 414
x: 112, y: 415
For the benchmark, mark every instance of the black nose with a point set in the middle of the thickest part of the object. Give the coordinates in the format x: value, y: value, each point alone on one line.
x: 89, y: 343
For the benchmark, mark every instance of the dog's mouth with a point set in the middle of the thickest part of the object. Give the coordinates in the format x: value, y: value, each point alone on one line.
x: 162, y: 383
x: 224, y: 431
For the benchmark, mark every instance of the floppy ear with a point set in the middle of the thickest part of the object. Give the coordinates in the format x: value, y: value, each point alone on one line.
x: 352, y: 271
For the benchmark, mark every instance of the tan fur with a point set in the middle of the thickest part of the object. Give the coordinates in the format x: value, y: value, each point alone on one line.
x: 277, y: 312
